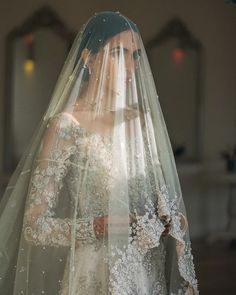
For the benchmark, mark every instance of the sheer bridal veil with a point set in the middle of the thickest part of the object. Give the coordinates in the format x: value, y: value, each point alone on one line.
x: 98, y: 181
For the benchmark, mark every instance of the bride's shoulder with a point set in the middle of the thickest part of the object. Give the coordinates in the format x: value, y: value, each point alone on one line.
x: 61, y: 120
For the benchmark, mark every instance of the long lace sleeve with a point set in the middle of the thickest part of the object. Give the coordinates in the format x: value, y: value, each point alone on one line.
x: 41, y: 226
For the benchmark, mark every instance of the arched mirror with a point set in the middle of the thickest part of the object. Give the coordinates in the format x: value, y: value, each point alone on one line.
x: 35, y: 54
x: 176, y: 59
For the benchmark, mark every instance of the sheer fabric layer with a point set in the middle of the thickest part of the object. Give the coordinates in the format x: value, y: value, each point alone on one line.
x: 87, y: 208
x: 146, y: 251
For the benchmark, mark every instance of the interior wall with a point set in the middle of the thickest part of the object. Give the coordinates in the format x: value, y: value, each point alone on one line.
x: 212, y: 22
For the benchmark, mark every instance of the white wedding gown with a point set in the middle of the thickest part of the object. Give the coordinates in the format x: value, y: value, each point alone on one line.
x: 90, y: 274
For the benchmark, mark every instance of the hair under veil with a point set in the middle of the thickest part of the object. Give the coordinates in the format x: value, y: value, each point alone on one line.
x: 87, y: 208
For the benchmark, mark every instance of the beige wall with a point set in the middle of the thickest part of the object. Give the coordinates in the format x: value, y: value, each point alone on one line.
x: 211, y: 21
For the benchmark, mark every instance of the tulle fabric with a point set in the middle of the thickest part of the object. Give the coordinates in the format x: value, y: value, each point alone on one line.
x: 101, y: 150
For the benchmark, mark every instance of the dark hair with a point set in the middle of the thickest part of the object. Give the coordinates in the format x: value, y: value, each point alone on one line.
x: 100, y: 28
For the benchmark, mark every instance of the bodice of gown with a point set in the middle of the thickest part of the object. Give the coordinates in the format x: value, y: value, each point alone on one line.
x: 90, y: 179
x: 78, y: 164
x: 80, y: 172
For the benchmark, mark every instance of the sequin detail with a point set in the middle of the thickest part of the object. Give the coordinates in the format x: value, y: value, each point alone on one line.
x: 138, y: 268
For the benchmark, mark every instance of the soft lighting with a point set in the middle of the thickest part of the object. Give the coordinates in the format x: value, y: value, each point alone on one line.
x: 178, y: 55
x: 28, y: 39
x: 28, y: 66
x: 29, y: 62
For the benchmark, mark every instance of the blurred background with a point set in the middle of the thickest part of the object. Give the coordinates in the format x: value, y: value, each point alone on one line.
x: 192, y: 52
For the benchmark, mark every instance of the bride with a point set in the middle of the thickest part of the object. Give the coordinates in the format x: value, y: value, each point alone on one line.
x: 95, y: 206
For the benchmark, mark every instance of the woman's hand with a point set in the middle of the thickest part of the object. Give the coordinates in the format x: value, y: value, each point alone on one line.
x: 167, y: 225
x: 100, y: 225
x: 167, y: 229
x: 183, y: 224
x: 117, y: 223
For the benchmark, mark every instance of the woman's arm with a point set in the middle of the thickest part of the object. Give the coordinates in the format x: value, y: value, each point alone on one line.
x: 40, y: 224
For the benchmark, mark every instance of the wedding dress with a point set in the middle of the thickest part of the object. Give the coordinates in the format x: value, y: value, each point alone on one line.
x: 74, y: 174
x: 91, y: 270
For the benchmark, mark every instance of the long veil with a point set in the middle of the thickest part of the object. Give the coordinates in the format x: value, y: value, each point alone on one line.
x: 100, y: 153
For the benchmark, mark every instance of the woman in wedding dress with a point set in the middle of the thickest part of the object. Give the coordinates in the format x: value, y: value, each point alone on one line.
x: 95, y: 206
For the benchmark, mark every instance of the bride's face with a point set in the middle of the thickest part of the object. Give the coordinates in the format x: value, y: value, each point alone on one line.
x: 115, y: 63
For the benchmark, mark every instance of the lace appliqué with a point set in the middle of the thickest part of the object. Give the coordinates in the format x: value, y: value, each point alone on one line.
x: 128, y: 264
x: 41, y: 226
x: 121, y: 273
x: 183, y: 247
x: 145, y: 234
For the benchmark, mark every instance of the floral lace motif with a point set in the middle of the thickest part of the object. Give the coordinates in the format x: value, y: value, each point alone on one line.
x: 183, y: 246
x: 41, y: 227
x: 153, y: 209
x: 124, y: 273
x: 145, y: 234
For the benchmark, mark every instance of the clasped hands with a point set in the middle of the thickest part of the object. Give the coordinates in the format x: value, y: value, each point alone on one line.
x: 118, y: 223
